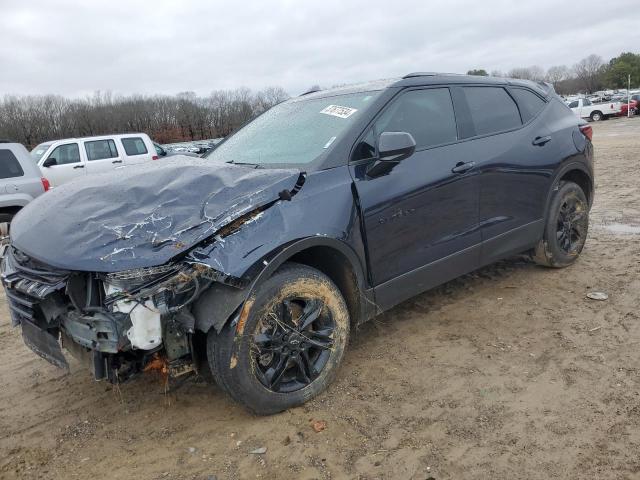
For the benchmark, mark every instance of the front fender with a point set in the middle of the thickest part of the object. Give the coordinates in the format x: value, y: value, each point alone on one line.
x: 323, y: 213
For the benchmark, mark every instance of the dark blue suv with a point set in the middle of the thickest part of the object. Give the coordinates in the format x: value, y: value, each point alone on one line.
x: 251, y: 266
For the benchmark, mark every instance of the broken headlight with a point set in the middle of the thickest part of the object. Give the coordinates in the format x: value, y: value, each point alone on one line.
x: 140, y: 276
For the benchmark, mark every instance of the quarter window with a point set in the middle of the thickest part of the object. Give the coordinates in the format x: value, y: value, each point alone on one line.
x: 9, y: 165
x: 101, y: 149
x: 492, y: 109
x: 65, y: 154
x: 530, y: 104
x: 134, y: 146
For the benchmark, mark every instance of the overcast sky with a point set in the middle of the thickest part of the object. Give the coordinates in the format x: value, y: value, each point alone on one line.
x: 155, y: 46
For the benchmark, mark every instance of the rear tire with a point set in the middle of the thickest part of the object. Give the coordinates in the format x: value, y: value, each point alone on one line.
x: 566, y: 227
x: 596, y: 116
x: 287, y: 344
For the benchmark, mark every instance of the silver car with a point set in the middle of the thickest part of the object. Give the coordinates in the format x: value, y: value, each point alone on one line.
x: 20, y: 182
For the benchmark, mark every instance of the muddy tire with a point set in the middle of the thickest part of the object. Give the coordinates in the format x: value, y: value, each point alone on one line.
x: 566, y: 227
x: 287, y: 344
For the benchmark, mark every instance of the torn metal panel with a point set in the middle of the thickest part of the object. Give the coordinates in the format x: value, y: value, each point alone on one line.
x: 142, y: 216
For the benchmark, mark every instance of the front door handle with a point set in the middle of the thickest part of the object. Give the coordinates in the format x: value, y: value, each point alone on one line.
x: 540, y: 141
x: 462, y: 167
x: 117, y: 161
x: 78, y: 166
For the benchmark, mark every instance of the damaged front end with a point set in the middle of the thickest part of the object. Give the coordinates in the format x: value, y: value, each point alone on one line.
x: 117, y: 322
x: 119, y: 292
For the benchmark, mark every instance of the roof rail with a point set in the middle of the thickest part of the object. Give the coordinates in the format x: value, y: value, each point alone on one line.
x: 313, y: 89
x: 421, y: 74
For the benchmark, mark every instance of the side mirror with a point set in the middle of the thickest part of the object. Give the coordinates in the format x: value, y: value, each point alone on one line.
x: 392, y: 148
x: 50, y: 162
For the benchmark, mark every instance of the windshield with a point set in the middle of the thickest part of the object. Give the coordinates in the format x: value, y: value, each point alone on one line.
x: 38, y: 152
x: 295, y: 132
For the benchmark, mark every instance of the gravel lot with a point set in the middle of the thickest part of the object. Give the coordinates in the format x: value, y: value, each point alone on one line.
x: 507, y: 373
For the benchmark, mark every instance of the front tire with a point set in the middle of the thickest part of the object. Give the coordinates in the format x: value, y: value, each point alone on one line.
x: 596, y: 116
x: 566, y: 227
x: 287, y: 344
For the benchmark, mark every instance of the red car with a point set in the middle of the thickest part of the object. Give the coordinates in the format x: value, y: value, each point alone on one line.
x: 632, y: 104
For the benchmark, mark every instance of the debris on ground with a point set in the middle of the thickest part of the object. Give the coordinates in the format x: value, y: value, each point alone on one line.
x: 597, y: 296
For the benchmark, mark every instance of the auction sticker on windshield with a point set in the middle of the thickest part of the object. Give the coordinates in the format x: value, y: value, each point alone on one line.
x: 338, y: 111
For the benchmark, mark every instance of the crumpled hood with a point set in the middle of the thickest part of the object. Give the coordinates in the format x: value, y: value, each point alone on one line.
x: 141, y: 216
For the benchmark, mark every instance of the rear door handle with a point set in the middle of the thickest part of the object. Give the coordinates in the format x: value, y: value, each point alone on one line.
x: 462, y: 167
x: 539, y: 141
x: 78, y: 166
x: 117, y: 161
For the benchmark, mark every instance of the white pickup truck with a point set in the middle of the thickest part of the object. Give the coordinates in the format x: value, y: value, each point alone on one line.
x: 583, y: 108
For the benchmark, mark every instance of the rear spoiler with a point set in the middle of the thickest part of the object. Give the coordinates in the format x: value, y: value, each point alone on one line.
x: 547, y: 88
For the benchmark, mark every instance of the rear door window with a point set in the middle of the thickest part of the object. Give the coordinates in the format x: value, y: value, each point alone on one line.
x: 530, y: 104
x: 134, y: 146
x: 492, y: 109
x: 65, y: 154
x: 9, y: 165
x: 100, y: 149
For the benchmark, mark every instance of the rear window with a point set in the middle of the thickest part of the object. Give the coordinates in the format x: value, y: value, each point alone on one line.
x: 530, y: 104
x: 492, y: 109
x: 134, y: 146
x: 100, y: 149
x: 9, y: 165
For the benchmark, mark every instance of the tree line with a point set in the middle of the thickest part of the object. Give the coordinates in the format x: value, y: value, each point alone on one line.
x: 33, y: 119
x: 589, y: 75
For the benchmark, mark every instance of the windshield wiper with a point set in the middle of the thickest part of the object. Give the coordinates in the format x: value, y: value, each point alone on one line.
x: 255, y: 165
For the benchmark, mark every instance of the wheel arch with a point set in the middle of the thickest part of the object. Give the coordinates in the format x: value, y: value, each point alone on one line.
x: 575, y: 172
x: 222, y: 303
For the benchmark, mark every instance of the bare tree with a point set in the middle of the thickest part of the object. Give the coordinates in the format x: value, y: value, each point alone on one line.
x: 557, y: 74
x: 533, y: 72
x: 34, y: 119
x: 590, y: 71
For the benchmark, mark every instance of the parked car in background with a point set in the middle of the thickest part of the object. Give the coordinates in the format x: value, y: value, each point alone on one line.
x: 583, y: 108
x: 63, y: 160
x: 20, y: 181
x: 627, y: 105
x: 163, y: 152
x: 636, y: 98
x: 254, y: 264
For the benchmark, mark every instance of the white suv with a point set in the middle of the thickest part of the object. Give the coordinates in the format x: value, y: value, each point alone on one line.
x: 63, y: 160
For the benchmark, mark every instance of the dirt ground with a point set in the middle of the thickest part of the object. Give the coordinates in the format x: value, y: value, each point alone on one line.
x: 507, y: 373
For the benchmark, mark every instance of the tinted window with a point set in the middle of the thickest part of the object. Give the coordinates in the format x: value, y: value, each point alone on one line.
x: 586, y: 102
x: 573, y: 104
x: 492, y: 109
x: 530, y: 103
x: 425, y: 114
x: 134, y: 146
x: 69, y: 153
x: 9, y: 165
x: 100, y: 149
x: 366, y: 148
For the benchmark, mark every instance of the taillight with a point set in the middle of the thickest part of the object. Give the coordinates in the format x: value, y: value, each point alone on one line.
x: 45, y: 184
x: 587, y: 131
x: 155, y: 157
